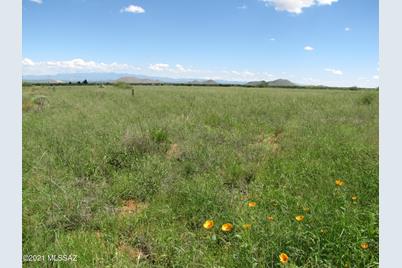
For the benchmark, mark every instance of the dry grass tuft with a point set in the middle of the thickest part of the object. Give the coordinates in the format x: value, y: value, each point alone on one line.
x: 131, y: 207
x: 272, y: 142
x: 132, y: 252
x: 27, y: 105
x: 174, y: 152
x: 136, y: 143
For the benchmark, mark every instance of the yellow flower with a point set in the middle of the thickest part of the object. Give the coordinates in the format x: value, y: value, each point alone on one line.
x: 306, y: 209
x: 364, y: 245
x: 227, y: 227
x: 299, y: 218
x: 208, y: 224
x: 354, y: 198
x: 252, y: 204
x: 283, y: 258
x: 270, y: 218
x: 339, y: 182
x: 246, y: 226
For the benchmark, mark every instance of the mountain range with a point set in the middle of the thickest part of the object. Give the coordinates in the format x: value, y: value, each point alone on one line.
x: 141, y: 79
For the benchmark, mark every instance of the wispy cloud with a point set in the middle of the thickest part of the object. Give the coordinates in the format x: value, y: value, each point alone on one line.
x: 37, y: 1
x: 159, y: 67
x: 31, y: 67
x: 242, y: 7
x: 272, y: 39
x: 308, y: 48
x: 164, y: 67
x: 295, y: 6
x: 133, y: 9
x: 334, y: 71
x: 376, y: 77
x: 347, y: 29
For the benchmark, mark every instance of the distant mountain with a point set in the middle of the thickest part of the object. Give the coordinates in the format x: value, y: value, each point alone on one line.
x: 74, y: 77
x: 281, y: 83
x: 136, y: 80
x: 203, y: 82
x: 274, y: 83
x: 144, y: 79
x: 108, y: 77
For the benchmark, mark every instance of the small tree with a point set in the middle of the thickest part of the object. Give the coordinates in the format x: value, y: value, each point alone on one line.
x: 85, y: 82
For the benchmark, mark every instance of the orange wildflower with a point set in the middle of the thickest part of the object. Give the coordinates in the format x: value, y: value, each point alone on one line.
x: 252, y: 204
x: 364, y: 245
x: 227, y: 227
x: 283, y: 258
x: 246, y: 226
x: 208, y: 224
x: 339, y: 182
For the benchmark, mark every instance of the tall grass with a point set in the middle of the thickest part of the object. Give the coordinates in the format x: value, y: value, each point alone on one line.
x: 197, y: 153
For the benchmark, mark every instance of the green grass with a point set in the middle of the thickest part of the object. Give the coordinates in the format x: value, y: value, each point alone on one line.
x: 188, y: 154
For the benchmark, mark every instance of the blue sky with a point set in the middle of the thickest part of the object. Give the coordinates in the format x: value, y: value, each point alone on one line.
x: 332, y: 42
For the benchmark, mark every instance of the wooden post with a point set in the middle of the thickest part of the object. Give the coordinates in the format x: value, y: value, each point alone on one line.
x: 132, y: 92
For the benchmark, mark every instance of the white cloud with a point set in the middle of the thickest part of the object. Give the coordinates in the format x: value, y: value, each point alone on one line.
x: 308, y: 48
x: 326, y: 2
x: 242, y: 7
x: 133, y: 9
x: 37, y: 1
x: 376, y: 77
x: 159, y: 67
x: 30, y: 67
x: 181, y: 69
x: 295, y: 6
x: 334, y: 71
x: 164, y: 67
x: 27, y: 62
x: 347, y: 29
x: 272, y: 39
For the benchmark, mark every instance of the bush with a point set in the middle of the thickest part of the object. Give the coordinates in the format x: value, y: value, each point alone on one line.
x: 159, y: 135
x: 122, y: 85
x: 27, y: 105
x: 40, y: 101
x: 367, y: 99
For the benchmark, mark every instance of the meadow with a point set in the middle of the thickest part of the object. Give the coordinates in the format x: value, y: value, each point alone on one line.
x: 148, y: 178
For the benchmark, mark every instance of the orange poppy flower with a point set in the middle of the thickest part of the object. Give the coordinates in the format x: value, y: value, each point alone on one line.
x: 252, y: 204
x: 208, y: 224
x: 299, y: 218
x: 270, y: 218
x: 354, y: 198
x: 339, y: 182
x: 364, y: 245
x: 283, y: 258
x: 246, y: 226
x: 227, y: 227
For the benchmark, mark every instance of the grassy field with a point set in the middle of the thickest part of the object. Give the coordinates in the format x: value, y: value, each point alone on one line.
x: 125, y: 181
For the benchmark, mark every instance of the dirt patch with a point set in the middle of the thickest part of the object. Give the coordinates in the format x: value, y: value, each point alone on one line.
x: 134, y: 253
x: 272, y: 142
x: 132, y: 207
x: 98, y: 234
x: 174, y: 152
